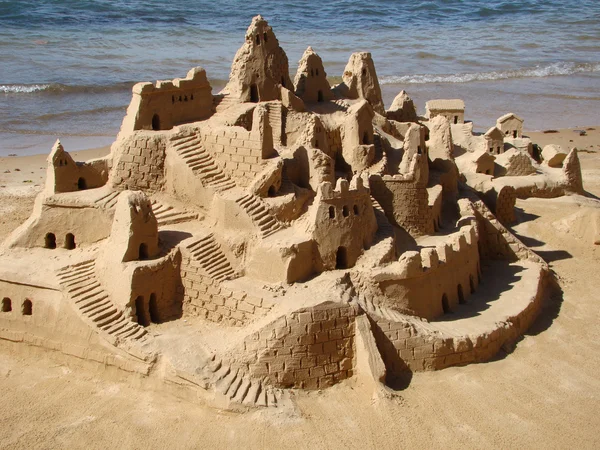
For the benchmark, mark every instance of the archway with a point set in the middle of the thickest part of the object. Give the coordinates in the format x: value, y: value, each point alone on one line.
x: 156, y: 122
x: 254, y: 98
x: 341, y: 258
x: 70, y: 241
x: 140, y: 311
x: 320, y: 96
x: 81, y: 184
x: 461, y: 297
x: 143, y: 251
x: 445, y: 304
x: 153, y: 308
x: 6, y: 304
x: 27, y: 308
x: 332, y: 212
x: 50, y: 241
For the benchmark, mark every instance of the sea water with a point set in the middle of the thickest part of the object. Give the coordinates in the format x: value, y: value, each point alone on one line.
x: 67, y: 67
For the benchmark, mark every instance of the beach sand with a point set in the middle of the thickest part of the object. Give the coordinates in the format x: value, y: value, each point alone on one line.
x: 545, y: 394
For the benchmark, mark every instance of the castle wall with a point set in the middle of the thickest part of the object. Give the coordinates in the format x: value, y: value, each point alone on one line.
x: 138, y: 161
x: 405, y: 202
x: 312, y: 348
x: 208, y: 298
x: 238, y: 151
x: 169, y: 103
x: 446, y: 276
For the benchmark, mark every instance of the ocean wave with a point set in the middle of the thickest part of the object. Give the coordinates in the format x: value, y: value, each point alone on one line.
x: 531, y: 72
x: 57, y: 88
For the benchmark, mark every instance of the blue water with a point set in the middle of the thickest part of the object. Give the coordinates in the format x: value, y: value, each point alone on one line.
x: 67, y: 67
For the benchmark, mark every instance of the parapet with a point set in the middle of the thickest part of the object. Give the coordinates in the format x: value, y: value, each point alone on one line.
x: 343, y: 189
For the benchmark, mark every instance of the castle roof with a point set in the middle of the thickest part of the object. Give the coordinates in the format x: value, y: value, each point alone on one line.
x: 445, y: 105
x: 505, y: 117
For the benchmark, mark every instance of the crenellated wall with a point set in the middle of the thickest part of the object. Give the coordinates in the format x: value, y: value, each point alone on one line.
x: 342, y: 223
x: 434, y: 281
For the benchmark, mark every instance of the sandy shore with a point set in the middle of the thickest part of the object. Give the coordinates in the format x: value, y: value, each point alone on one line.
x: 545, y: 394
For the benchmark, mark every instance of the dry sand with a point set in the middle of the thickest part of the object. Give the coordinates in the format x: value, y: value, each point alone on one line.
x: 545, y: 394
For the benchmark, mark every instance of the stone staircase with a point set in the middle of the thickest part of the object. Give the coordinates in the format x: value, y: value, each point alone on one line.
x: 239, y: 387
x: 208, y: 253
x: 168, y: 215
x: 109, y: 200
x: 202, y: 164
x: 384, y: 228
x: 260, y: 214
x: 82, y: 286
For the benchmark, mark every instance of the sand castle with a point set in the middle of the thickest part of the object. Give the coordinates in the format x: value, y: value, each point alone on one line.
x: 282, y: 235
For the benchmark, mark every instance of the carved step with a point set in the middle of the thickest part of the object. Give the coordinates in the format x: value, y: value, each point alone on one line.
x: 207, y: 252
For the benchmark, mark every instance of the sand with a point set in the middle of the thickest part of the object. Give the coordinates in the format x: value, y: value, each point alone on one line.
x: 545, y: 394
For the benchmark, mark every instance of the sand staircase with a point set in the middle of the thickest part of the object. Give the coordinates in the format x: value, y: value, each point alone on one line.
x: 168, y: 215
x: 80, y: 283
x: 275, y: 122
x: 208, y: 253
x: 109, y: 200
x: 260, y: 214
x: 384, y: 228
x: 224, y: 101
x: 239, y: 387
x: 201, y: 162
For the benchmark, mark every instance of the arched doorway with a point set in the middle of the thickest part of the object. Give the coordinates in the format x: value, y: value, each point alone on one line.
x: 320, y: 96
x: 81, y: 184
x: 341, y: 258
x: 6, y: 304
x: 155, y: 122
x: 445, y: 304
x: 153, y: 308
x: 461, y: 297
x: 143, y: 251
x: 70, y: 241
x: 140, y: 311
x: 50, y: 241
x: 254, y: 93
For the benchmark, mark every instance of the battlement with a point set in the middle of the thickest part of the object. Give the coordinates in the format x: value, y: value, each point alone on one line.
x: 343, y: 189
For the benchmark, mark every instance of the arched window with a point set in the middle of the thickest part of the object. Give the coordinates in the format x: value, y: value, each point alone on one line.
x: 345, y: 211
x: 69, y: 241
x: 27, y: 308
x: 332, y: 212
x: 50, y: 241
x: 156, y: 121
x: 272, y: 191
x: 143, y: 251
x: 153, y: 308
x: 265, y: 37
x: 258, y: 39
x: 355, y: 208
x: 320, y: 96
x: 6, y: 304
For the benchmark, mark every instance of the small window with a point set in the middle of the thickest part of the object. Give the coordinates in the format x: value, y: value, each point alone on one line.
x: 320, y: 96
x: 364, y: 72
x: 455, y: 120
x: 265, y: 37
x: 317, y: 72
x: 419, y: 150
x: 192, y: 97
x: 515, y: 134
x: 27, y: 308
x: 317, y: 143
x: 258, y: 39
x: 172, y: 99
x: 355, y: 208
x: 153, y: 309
x: 50, y: 241
x: 283, y: 81
x: 6, y: 304
x: 345, y: 211
x: 332, y: 212
x: 365, y: 138
x: 185, y: 99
